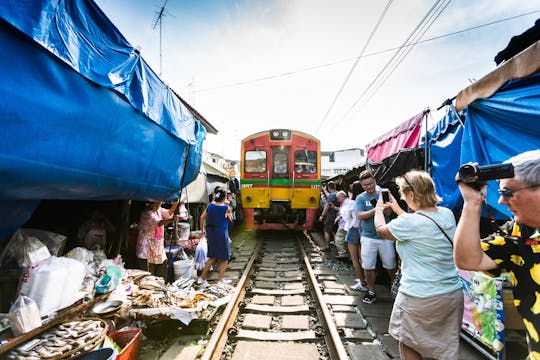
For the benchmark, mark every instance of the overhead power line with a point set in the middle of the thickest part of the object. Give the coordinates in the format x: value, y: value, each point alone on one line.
x: 337, y: 62
x: 381, y: 17
x: 413, y: 38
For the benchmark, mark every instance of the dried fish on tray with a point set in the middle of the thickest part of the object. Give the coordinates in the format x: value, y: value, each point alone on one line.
x: 63, y: 341
x: 153, y: 300
x: 163, y: 299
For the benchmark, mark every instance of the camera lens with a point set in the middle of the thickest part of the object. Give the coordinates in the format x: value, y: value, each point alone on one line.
x: 467, y: 173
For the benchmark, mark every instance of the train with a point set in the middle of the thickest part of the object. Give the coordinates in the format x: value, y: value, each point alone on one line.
x: 280, y: 180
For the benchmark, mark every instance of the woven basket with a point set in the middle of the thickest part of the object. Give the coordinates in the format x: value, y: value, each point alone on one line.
x: 83, y: 348
x: 90, y: 344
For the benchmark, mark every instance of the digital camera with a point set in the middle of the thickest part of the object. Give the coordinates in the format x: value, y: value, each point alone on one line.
x: 477, y: 175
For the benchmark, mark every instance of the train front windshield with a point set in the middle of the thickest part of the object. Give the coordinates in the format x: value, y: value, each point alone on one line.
x: 305, y: 162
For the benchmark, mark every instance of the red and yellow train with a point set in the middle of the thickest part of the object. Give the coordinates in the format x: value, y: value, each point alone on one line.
x: 280, y: 179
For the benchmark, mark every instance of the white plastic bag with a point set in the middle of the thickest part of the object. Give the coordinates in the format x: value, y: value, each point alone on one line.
x: 23, y: 251
x: 200, y: 254
x: 81, y: 254
x: 53, y: 284
x: 24, y: 315
x: 54, y: 242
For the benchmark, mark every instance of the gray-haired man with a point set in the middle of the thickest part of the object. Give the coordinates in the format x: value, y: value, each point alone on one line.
x: 516, y: 247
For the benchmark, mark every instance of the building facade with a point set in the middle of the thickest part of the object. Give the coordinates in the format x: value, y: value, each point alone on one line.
x: 340, y: 161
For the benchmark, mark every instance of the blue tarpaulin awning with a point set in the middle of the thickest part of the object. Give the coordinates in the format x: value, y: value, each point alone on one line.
x: 496, y: 128
x: 83, y: 115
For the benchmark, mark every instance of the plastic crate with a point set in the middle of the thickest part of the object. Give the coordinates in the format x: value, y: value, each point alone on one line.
x: 129, y: 341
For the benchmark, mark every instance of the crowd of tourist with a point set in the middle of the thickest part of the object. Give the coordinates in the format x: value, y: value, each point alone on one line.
x: 424, y: 238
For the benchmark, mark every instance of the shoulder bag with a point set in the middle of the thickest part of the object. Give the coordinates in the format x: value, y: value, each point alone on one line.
x: 397, y: 279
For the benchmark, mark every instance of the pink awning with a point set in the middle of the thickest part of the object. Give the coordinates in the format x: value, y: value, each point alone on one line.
x: 406, y: 135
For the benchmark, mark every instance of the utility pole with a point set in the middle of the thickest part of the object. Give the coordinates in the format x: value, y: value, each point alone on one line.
x: 159, y: 19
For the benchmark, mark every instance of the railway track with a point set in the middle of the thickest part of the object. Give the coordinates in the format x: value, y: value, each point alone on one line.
x: 278, y: 308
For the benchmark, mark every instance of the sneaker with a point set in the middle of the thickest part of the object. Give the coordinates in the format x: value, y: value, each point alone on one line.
x: 341, y: 257
x: 359, y: 287
x: 225, y: 281
x: 370, y: 297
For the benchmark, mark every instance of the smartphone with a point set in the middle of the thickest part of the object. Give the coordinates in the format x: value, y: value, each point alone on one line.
x: 385, y: 193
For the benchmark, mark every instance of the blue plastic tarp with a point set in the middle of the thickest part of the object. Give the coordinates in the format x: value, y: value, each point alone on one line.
x: 445, y: 145
x: 78, y: 33
x: 82, y: 114
x: 501, y: 126
x: 496, y: 128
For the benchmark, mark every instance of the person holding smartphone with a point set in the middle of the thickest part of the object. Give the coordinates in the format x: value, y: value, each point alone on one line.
x: 427, y: 313
x: 372, y: 244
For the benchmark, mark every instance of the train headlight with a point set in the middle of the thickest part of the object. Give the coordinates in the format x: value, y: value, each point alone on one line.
x: 248, y: 198
x: 285, y: 134
x: 276, y: 134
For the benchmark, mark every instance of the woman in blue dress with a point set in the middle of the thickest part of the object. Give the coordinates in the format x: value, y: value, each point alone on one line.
x: 217, y: 217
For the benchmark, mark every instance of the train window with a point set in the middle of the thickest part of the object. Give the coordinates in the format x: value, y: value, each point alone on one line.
x: 255, y: 161
x: 305, y: 162
x: 281, y: 163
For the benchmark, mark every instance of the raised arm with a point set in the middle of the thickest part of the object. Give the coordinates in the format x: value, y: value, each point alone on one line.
x: 380, y: 221
x: 468, y: 253
x: 173, y: 208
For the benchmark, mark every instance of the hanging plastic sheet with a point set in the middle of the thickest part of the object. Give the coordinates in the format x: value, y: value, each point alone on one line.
x: 445, y: 147
x: 14, y: 214
x: 502, y: 126
x: 396, y: 165
x: 66, y: 137
x: 79, y: 34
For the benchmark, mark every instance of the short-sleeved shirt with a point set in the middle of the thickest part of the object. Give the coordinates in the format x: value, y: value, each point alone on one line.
x: 365, y: 202
x: 427, y: 260
x: 516, y: 250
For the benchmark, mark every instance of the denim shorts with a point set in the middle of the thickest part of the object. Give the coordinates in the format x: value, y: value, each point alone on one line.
x: 353, y: 236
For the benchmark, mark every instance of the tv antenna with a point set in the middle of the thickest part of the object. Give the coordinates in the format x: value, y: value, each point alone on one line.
x: 159, y: 19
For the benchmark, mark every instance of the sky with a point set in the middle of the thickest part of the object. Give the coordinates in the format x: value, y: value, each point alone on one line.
x: 253, y: 65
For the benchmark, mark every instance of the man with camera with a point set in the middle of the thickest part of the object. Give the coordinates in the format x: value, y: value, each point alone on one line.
x: 516, y: 247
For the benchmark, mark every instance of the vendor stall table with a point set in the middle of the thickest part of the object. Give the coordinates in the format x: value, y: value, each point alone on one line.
x: 62, y: 316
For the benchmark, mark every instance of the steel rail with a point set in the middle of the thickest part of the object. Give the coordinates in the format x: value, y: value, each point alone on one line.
x: 218, y: 340
x: 338, y: 350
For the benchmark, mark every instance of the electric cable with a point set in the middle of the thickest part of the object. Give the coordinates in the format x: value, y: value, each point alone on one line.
x: 381, y: 17
x: 431, y: 16
x: 337, y: 62
x: 395, y: 66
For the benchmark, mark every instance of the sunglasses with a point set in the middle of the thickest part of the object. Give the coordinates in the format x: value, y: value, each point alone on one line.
x: 509, y: 193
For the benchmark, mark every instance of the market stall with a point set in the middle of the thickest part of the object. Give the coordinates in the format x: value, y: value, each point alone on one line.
x: 86, y: 119
x: 72, y: 304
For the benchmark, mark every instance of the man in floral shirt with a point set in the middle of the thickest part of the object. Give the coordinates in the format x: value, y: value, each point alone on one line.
x: 516, y: 248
